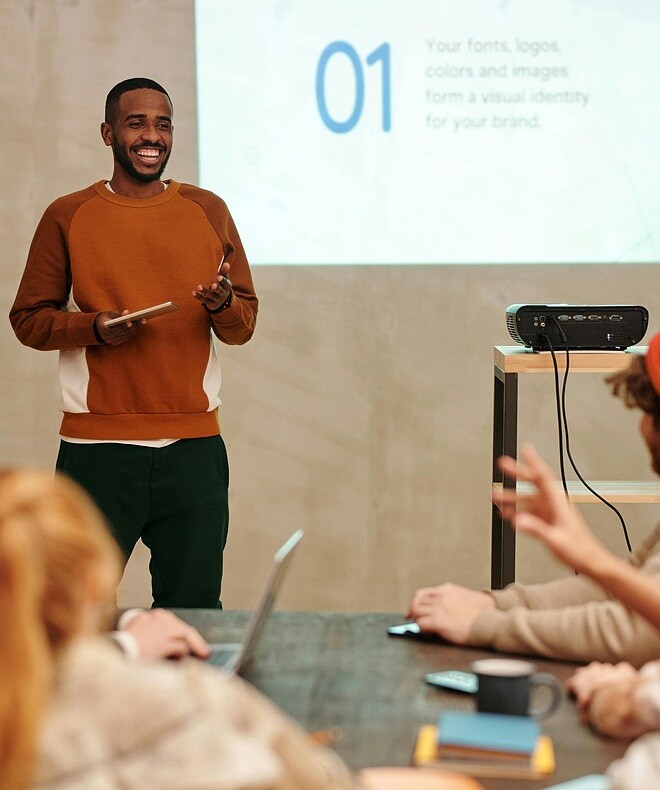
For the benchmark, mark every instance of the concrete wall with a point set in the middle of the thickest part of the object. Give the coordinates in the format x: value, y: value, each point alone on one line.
x: 361, y: 410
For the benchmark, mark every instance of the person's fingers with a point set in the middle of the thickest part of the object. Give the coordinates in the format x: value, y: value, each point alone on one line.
x: 424, y: 623
x: 530, y: 524
x: 418, y: 602
x: 197, y: 644
x: 507, y: 497
x: 509, y: 502
x: 178, y: 647
x: 549, y: 499
x: 212, y: 295
x: 574, y: 680
x: 184, y: 638
x: 532, y: 469
x: 583, y: 697
x: 423, y: 607
x: 429, y: 596
x: 585, y: 680
x: 541, y: 475
x: 577, y: 689
x: 514, y: 468
x: 505, y: 494
x: 419, y: 596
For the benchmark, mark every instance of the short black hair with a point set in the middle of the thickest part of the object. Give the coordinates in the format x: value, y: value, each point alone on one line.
x: 132, y: 84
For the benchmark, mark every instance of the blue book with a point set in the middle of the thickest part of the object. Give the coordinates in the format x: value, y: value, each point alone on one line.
x: 488, y: 733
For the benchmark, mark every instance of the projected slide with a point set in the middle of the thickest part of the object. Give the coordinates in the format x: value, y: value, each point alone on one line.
x: 433, y: 131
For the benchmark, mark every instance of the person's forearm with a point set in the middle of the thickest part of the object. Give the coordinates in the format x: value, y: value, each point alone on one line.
x: 595, y: 631
x: 568, y: 591
x: 48, y: 328
x: 235, y: 325
x: 39, y: 314
x: 625, y: 583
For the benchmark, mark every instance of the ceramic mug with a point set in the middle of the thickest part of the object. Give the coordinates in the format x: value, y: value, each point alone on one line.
x: 507, y: 685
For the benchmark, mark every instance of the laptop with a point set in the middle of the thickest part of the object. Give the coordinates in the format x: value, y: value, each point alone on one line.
x: 233, y: 658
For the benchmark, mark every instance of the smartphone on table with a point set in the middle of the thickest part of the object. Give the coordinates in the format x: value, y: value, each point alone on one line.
x: 454, y: 680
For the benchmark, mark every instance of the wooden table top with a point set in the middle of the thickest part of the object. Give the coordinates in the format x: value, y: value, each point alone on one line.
x: 329, y: 669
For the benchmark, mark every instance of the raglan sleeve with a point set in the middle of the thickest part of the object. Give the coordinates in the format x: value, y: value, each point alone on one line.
x: 236, y: 324
x: 594, y: 631
x: 39, y: 314
x: 567, y: 591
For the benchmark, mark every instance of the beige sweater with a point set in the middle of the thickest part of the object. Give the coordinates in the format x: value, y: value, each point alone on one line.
x: 572, y: 618
x: 116, y: 724
x: 639, y: 768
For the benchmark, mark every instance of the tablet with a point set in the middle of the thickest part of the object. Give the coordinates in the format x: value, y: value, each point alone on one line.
x: 148, y: 312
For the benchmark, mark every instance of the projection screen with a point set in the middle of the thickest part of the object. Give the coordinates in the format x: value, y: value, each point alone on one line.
x: 433, y: 131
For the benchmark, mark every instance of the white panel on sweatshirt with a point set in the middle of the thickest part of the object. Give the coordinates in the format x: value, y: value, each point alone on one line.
x: 73, y: 374
x: 212, y: 378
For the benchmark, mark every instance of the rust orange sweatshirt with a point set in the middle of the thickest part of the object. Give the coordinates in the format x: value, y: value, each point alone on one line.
x: 96, y: 251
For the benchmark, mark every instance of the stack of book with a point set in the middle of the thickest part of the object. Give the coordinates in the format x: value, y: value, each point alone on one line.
x: 486, y: 745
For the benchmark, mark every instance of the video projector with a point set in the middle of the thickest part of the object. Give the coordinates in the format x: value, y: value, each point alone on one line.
x: 577, y: 327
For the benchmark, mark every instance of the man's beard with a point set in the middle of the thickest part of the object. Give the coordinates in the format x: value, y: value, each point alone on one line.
x: 124, y: 160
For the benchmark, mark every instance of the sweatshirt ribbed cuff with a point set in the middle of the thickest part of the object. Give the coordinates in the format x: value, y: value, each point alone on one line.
x: 485, y: 628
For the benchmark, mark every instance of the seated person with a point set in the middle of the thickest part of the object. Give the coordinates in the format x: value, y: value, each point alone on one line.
x: 616, y: 700
x: 572, y: 618
x: 74, y: 711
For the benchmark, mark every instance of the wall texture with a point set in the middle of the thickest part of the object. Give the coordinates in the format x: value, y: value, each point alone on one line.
x: 361, y: 410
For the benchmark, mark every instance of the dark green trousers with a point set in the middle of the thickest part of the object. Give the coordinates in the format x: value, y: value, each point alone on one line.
x: 174, y: 499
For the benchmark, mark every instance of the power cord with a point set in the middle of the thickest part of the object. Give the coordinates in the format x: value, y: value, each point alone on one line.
x: 559, y: 409
x: 563, y: 428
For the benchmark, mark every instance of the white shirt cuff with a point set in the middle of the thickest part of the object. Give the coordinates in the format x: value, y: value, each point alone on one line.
x: 128, y: 644
x: 126, y: 617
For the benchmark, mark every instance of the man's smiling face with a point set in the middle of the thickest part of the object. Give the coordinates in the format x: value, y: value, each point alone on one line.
x: 141, y: 134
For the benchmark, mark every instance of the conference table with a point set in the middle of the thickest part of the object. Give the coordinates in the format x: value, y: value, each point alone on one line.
x: 341, y: 670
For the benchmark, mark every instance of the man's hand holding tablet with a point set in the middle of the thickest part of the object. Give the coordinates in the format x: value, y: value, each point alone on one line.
x: 114, y: 329
x: 142, y: 315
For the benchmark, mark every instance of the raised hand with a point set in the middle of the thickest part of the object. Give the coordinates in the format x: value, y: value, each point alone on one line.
x: 546, y: 514
x: 217, y: 293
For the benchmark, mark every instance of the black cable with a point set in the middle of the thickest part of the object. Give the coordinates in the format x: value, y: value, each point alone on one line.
x: 566, y: 432
x: 560, y: 432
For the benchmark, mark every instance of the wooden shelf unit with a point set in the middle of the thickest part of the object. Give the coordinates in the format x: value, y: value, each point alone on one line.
x: 509, y: 362
x: 619, y: 492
